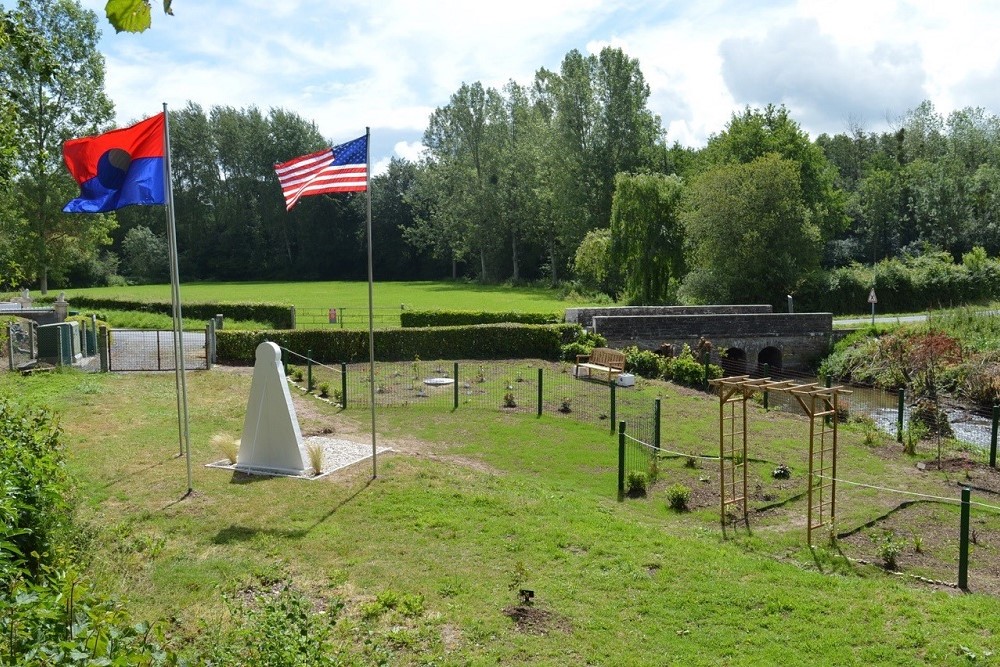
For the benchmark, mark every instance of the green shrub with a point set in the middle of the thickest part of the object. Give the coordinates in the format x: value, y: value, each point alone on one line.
x: 686, y: 370
x: 48, y: 615
x: 643, y: 363
x: 452, y: 318
x: 678, y: 497
x: 485, y: 341
x: 276, y: 315
x: 888, y: 551
x: 35, y: 486
x: 582, y: 343
x: 636, y: 483
x: 277, y: 629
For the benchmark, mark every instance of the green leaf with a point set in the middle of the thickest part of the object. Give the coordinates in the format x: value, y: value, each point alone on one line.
x: 167, y: 9
x: 129, y: 15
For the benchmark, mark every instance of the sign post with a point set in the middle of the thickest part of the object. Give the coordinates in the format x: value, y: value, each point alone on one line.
x: 872, y: 299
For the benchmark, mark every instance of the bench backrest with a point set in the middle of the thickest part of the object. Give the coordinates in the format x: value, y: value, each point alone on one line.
x: 605, y: 356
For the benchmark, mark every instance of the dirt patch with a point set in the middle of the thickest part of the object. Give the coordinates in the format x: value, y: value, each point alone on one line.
x: 924, y: 538
x: 535, y: 620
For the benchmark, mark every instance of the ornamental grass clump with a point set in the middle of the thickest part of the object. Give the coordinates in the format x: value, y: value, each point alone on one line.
x: 678, y: 497
x: 229, y: 446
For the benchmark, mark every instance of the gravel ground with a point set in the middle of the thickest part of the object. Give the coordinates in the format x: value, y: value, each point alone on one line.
x: 337, y: 454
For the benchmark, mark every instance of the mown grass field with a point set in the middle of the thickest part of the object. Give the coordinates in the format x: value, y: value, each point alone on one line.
x: 417, y: 295
x: 477, y: 503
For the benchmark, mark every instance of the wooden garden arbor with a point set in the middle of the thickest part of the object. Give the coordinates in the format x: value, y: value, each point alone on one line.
x: 820, y: 404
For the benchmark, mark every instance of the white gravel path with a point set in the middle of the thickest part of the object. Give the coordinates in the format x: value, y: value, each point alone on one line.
x: 337, y: 454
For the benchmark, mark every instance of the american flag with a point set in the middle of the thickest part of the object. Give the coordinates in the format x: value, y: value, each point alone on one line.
x: 343, y: 168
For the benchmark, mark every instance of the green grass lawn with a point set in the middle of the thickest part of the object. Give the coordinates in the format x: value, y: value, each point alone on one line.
x: 426, y: 295
x: 419, y: 565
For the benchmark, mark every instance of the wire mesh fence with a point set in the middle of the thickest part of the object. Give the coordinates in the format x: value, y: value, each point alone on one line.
x: 141, y: 350
x: 345, y: 317
x: 22, y: 344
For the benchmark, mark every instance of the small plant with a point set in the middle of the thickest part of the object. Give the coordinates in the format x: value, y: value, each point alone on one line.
x: 517, y: 576
x: 781, y: 472
x: 564, y: 407
x: 636, y: 483
x: 691, y: 462
x: 888, y: 551
x: 324, y: 389
x: 678, y: 497
x: 481, y: 375
x: 914, y: 433
x: 509, y: 401
x: 918, y: 543
x: 229, y: 447
x: 870, y: 431
x: 298, y: 375
x: 315, y: 452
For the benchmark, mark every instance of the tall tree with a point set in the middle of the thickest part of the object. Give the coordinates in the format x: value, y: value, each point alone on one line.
x: 59, y: 94
x: 755, y: 133
x: 751, y: 235
x: 647, y: 237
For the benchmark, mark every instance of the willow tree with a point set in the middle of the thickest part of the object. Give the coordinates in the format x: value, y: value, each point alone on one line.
x: 647, y: 237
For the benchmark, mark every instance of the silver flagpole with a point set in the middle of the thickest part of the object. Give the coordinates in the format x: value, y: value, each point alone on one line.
x: 371, y: 309
x: 175, y: 297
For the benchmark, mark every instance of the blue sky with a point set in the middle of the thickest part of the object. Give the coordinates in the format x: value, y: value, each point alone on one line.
x: 348, y: 64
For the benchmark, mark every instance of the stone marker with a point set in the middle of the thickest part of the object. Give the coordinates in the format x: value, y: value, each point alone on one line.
x: 272, y: 441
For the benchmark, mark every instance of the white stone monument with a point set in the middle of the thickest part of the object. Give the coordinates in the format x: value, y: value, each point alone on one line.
x: 272, y: 441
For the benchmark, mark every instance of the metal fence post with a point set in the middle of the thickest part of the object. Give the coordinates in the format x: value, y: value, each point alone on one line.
x: 656, y: 424
x: 963, y: 541
x: 767, y: 373
x: 343, y: 386
x: 104, y: 349
x: 993, y: 436
x: 309, y: 371
x: 454, y: 386
x: 621, y: 460
x: 899, y: 415
x: 208, y: 347
x: 539, y: 413
x: 292, y: 315
x: 613, y: 407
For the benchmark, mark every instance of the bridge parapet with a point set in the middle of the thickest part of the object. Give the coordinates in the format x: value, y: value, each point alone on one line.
x: 799, y: 339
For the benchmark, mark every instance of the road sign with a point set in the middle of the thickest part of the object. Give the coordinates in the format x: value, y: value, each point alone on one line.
x: 871, y: 297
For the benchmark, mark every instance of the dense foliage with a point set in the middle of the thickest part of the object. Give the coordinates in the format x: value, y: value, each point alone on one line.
x: 48, y: 615
x: 486, y: 341
x: 279, y: 316
x: 566, y: 178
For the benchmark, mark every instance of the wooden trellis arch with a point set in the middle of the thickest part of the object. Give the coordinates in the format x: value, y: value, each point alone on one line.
x: 819, y: 404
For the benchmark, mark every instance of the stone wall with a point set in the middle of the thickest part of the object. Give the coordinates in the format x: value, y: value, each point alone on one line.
x: 800, y: 339
x: 585, y: 316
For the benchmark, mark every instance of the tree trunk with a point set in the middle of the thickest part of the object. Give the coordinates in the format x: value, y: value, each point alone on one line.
x: 454, y: 268
x: 513, y: 252
x: 482, y: 266
x: 553, y: 264
x: 43, y: 280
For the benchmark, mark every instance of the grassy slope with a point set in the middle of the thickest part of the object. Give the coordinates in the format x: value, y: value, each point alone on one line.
x: 631, y: 583
x: 415, y: 295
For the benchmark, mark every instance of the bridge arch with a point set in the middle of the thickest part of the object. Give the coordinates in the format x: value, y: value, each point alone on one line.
x: 733, y: 361
x: 771, y: 356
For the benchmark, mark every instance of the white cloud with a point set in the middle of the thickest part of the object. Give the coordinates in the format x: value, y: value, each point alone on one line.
x: 352, y: 64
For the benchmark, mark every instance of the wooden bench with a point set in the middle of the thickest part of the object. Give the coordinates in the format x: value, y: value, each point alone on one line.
x: 604, y: 360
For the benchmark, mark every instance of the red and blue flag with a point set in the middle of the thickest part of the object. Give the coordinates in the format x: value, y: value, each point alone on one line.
x: 119, y: 168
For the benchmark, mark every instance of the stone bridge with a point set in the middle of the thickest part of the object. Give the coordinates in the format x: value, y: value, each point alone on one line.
x: 742, y: 336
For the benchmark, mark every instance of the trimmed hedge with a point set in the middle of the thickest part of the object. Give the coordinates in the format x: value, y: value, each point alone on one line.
x: 458, y: 318
x: 486, y: 341
x: 279, y: 316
